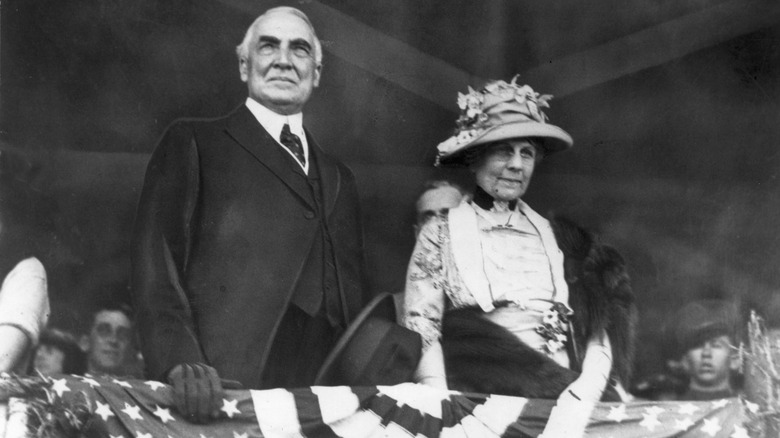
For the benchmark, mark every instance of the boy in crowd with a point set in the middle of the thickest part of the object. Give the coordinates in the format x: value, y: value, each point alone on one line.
x: 704, y: 338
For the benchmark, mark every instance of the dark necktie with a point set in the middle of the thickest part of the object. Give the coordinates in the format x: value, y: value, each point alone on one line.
x: 293, y: 143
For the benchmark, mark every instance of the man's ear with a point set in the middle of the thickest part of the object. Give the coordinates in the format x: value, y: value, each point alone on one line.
x: 243, y: 68
x: 317, y: 74
x: 84, y: 343
x: 735, y: 359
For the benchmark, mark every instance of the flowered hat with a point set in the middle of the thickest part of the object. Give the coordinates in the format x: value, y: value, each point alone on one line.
x: 497, y: 112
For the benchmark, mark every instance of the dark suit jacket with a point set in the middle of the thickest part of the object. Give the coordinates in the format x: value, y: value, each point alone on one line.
x: 223, y: 231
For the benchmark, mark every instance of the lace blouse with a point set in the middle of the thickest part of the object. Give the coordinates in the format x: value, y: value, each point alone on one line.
x: 522, y: 282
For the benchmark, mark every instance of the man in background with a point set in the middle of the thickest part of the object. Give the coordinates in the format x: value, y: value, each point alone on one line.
x: 437, y: 197
x: 109, y: 342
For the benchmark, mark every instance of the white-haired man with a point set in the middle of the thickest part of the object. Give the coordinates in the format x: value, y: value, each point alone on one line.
x: 248, y: 245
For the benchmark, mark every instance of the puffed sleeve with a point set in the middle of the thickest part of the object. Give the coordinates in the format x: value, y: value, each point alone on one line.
x: 425, y: 297
x: 161, y: 246
x: 24, y: 299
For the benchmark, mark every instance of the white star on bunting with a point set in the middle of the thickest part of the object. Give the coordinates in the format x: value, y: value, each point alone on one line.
x: 720, y: 403
x: 711, y: 426
x: 163, y: 414
x: 138, y: 434
x: 122, y: 383
x: 688, y: 409
x: 655, y: 410
x: 90, y: 381
x: 650, y: 422
x: 240, y: 435
x: 115, y: 436
x: 155, y: 385
x: 60, y: 386
x: 617, y: 413
x: 229, y: 407
x: 133, y: 412
x: 740, y: 432
x: 104, y: 411
x: 752, y: 407
x: 683, y: 424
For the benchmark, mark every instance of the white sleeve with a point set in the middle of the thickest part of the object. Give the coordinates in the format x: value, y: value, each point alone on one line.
x: 24, y: 298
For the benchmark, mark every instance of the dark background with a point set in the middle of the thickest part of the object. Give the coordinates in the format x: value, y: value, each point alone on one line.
x: 674, y: 106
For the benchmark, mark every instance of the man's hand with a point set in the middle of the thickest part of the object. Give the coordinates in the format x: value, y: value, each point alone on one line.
x: 197, y: 391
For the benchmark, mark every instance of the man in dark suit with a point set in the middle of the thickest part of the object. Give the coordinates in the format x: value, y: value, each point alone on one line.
x: 247, y: 259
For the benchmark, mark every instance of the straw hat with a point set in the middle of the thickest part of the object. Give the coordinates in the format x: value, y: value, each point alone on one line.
x: 501, y: 111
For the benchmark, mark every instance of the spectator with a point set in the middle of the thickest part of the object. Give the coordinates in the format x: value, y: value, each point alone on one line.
x: 437, y: 198
x: 109, y: 342
x: 58, y: 353
x: 704, y: 334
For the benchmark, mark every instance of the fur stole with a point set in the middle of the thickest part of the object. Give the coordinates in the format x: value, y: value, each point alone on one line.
x: 481, y: 356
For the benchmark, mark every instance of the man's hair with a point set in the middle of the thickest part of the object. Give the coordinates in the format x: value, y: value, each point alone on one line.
x: 420, y: 216
x: 437, y: 184
x: 111, y: 307
x: 242, y: 50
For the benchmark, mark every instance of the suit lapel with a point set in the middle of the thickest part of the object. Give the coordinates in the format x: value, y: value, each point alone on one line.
x: 330, y: 177
x: 244, y: 128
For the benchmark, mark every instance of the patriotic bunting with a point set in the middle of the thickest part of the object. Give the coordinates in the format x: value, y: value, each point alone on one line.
x: 138, y: 409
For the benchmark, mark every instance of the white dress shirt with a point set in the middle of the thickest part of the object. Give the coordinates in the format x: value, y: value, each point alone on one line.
x: 273, y: 123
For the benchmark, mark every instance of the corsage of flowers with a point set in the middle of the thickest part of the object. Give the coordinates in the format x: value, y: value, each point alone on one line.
x: 555, y: 323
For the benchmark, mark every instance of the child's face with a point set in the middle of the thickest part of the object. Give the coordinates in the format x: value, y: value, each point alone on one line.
x: 49, y: 360
x: 709, y: 363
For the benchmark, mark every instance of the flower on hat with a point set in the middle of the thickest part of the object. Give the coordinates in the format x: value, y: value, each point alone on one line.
x: 498, y: 111
x: 473, y: 105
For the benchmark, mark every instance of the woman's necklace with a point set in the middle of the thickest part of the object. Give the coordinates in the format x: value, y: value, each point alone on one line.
x: 500, y: 207
x: 508, y: 220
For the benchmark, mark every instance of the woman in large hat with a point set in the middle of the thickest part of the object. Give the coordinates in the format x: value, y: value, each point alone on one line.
x: 506, y: 301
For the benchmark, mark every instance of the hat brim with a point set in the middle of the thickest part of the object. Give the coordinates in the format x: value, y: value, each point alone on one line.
x: 554, y: 139
x: 383, y: 305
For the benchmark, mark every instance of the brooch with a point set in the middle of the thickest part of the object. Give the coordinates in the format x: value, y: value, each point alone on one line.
x: 555, y: 322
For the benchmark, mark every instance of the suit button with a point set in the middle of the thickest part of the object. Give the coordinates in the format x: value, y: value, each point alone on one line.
x: 308, y: 214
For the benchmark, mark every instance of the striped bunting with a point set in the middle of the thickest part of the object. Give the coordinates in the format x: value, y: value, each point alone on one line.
x: 138, y: 409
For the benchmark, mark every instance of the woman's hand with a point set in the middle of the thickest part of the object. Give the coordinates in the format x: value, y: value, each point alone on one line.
x: 572, y: 411
x: 596, y: 368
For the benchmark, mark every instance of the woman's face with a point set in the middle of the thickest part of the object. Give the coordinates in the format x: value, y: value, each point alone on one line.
x: 505, y: 169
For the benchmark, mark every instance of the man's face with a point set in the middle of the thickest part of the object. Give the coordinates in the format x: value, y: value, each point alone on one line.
x: 280, y: 68
x: 435, y: 201
x: 49, y: 360
x: 709, y: 363
x: 109, y: 341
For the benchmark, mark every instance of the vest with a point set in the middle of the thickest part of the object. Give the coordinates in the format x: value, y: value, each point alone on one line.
x: 317, y: 290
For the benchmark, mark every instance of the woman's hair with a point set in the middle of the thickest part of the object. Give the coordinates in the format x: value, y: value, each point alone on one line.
x: 474, y: 155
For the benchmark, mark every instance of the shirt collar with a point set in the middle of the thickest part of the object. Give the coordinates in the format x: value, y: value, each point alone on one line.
x: 274, y: 122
